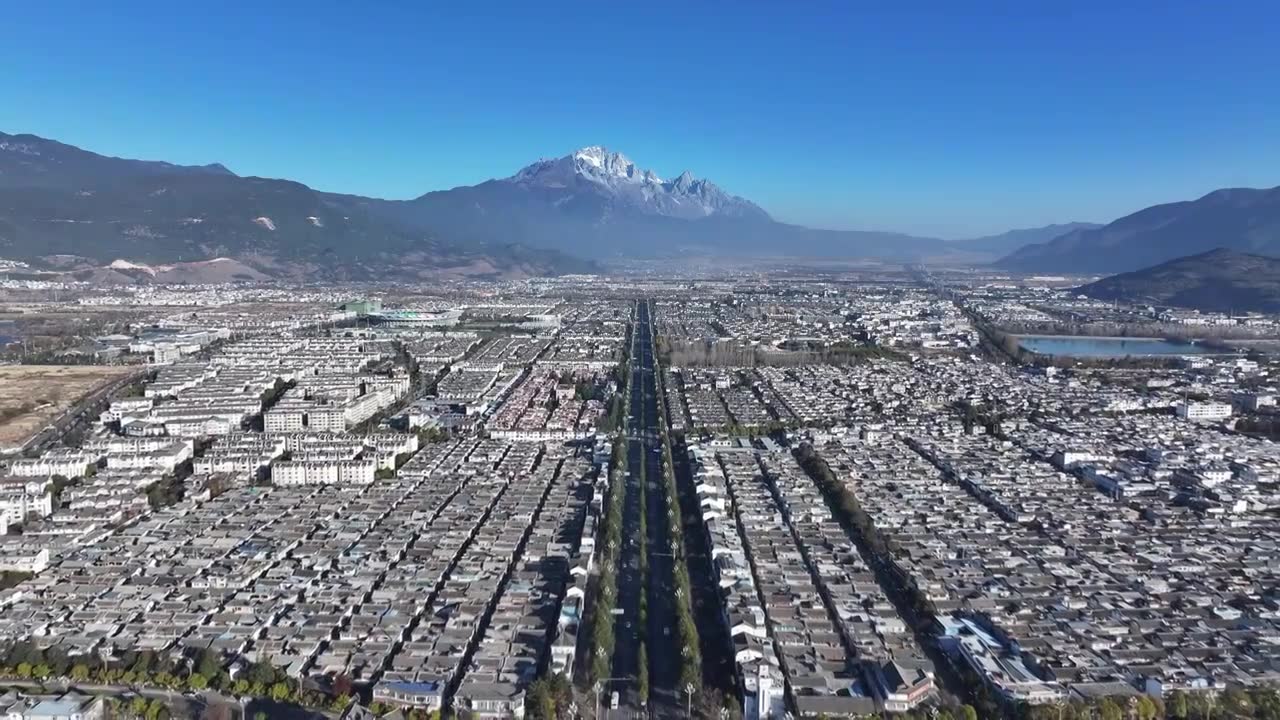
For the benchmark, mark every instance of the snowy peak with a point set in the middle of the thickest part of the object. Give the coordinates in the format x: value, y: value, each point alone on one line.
x: 594, y: 163
x: 684, y: 181
x: 598, y: 161
x: 620, y: 181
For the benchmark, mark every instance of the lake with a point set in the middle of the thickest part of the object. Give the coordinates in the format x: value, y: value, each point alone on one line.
x: 1108, y: 347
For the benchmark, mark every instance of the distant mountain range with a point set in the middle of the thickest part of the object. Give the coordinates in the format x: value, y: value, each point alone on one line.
x: 1241, y: 219
x: 1220, y: 280
x: 76, y: 211
x: 1005, y: 243
x: 59, y: 200
x: 554, y: 216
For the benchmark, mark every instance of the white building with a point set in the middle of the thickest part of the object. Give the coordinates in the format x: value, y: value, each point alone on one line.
x: 1203, y: 410
x: 20, y: 499
x: 167, y: 458
x: 296, y: 473
x: 68, y: 465
x: 23, y: 556
x: 128, y: 407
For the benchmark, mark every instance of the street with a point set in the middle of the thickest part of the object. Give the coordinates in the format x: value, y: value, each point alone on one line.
x: 644, y: 468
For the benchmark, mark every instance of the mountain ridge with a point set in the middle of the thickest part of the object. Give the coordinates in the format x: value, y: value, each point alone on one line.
x: 1002, y: 244
x: 56, y: 199
x: 1242, y: 219
x: 684, y: 197
x: 53, y: 163
x: 1219, y: 280
x: 546, y: 217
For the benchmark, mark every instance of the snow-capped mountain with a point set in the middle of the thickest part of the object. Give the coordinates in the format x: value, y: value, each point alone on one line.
x: 127, y: 218
x: 597, y: 170
x: 599, y: 204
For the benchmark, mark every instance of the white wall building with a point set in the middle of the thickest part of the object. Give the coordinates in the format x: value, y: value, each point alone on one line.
x: 1203, y: 410
x: 295, y: 473
x: 23, y: 556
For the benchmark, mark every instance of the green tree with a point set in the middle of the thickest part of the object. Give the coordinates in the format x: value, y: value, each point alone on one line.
x: 79, y: 672
x: 540, y: 701
x: 1266, y: 701
x: 280, y: 692
x: 600, y: 666
x: 24, y: 670
x: 1109, y: 710
x: 968, y: 713
x: 197, y: 682
x: 262, y: 673
x: 1178, y: 705
x: 1146, y: 708
x: 207, y: 663
x: 1039, y: 712
x: 643, y: 680
x: 1235, y: 701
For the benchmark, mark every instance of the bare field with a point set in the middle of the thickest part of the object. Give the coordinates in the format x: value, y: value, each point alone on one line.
x: 33, y: 395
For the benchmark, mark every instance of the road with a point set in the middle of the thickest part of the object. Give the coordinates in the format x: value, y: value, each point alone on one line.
x: 644, y: 475
x: 663, y: 637
x: 630, y: 579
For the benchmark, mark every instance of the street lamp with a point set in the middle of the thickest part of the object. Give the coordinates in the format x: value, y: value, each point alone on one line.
x: 599, y: 687
x: 688, y: 704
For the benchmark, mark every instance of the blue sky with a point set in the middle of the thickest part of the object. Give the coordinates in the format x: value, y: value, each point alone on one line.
x: 942, y: 118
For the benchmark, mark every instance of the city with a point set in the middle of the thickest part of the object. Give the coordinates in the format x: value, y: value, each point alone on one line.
x: 655, y: 496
